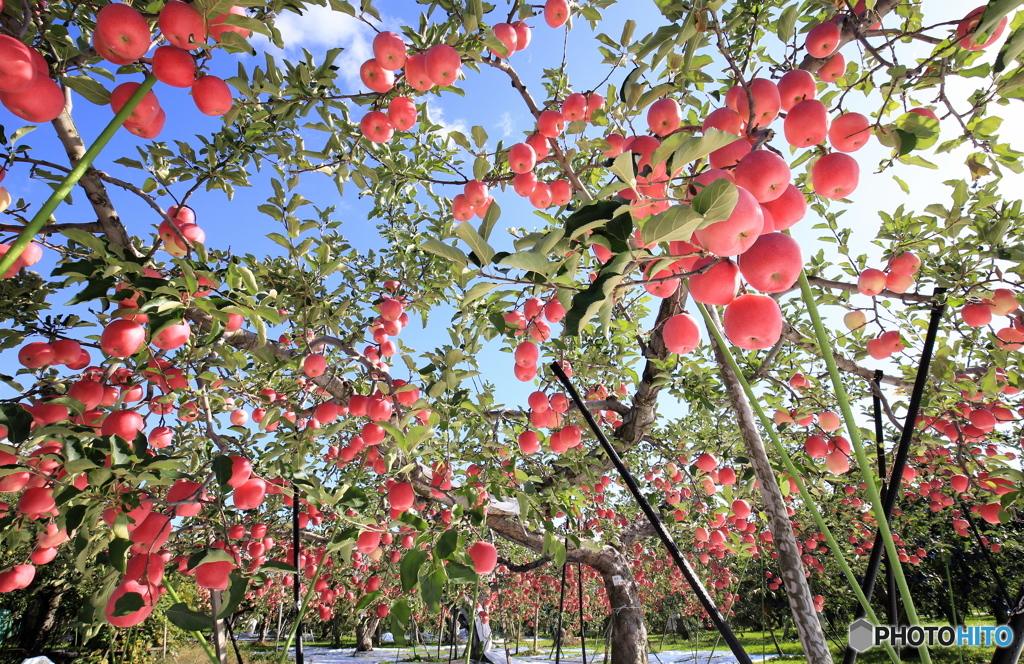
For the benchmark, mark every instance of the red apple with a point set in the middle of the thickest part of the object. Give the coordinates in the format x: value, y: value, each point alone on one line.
x: 737, y: 233
x: 484, y: 556
x: 849, y: 132
x: 521, y: 159
x: 509, y: 38
x: 182, y: 25
x: 906, y: 263
x: 376, y: 127
x: 787, y: 209
x: 402, y: 113
x: 753, y: 322
x: 718, y: 285
x: 443, y: 64
x: 833, y: 69
x: 835, y: 175
x: 211, y: 96
x: 767, y: 101
x: 123, y: 30
x: 725, y: 119
x: 124, y: 423
x: 401, y: 496
x: 36, y: 355
x: 556, y: 13
x: 681, y: 334
x: 806, y: 124
x: 417, y: 74
x: 795, y: 86
x: 773, y: 263
x: 664, y: 116
x: 376, y: 77
x: 764, y: 174
x: 122, y: 338
x: 871, y: 282
x: 967, y: 26
x: 550, y: 124
x: 41, y: 102
x: 389, y: 51
x: 823, y: 39
x: 250, y: 494
x: 218, y: 27
x: 17, y: 66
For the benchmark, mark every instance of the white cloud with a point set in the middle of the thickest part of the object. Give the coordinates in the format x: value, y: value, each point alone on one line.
x: 505, y: 124
x: 436, y: 115
x: 321, y: 28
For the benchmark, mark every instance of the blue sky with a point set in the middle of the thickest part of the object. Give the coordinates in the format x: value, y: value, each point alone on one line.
x: 490, y: 101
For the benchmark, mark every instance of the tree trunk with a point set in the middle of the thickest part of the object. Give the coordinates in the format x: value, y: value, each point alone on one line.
x: 801, y: 602
x: 37, y: 625
x: 628, y: 632
x: 1011, y: 654
x: 364, y: 634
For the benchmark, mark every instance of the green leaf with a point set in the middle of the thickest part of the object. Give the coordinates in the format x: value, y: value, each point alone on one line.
x: 447, y: 544
x: 468, y: 234
x: 460, y: 573
x: 128, y: 603
x: 366, y: 600
x: 222, y: 468
x: 1010, y: 50
x: 188, y: 619
x: 588, y: 302
x: 445, y: 251
x: 700, y: 147
x: 676, y: 223
x: 432, y: 588
x: 412, y: 561
x: 278, y: 566
x: 787, y: 22
x: 528, y: 260
x: 623, y: 168
x: 479, y: 135
x: 590, y: 216
x: 17, y: 421
x: 400, y: 614
x: 716, y: 201
x: 994, y: 13
x: 234, y: 595
x: 91, y: 89
x: 478, y: 291
x: 490, y: 218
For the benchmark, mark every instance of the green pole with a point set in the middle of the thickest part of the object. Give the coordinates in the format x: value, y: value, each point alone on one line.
x: 62, y: 191
x: 783, y: 454
x: 862, y: 459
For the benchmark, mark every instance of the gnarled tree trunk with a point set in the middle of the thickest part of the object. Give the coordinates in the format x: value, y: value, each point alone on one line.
x: 364, y: 634
x: 629, y: 630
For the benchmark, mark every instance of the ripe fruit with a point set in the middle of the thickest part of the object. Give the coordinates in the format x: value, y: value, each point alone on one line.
x: 528, y: 442
x: 41, y: 102
x: 249, y: 495
x: 966, y: 27
x: 218, y: 27
x: 681, y: 334
x: 401, y: 496
x: 763, y: 173
x: 753, y: 322
x: 509, y: 38
x: 160, y: 437
x: 182, y: 25
x: 174, y: 66
x: 906, y: 263
x: 376, y: 127
x: 706, y: 462
x: 36, y: 354
x: 521, y: 159
x: 550, y: 124
x: 832, y: 70
x: 990, y: 512
x: 314, y: 365
x: 124, y: 423
x: 835, y: 175
x: 959, y: 483
x: 664, y: 116
x: 871, y: 282
x: 402, y: 113
x: 718, y: 285
x: 122, y: 338
x: 735, y: 234
x: 527, y: 354
x: 123, y: 33
x: 823, y: 39
x: 849, y: 132
x: 773, y: 263
x: 215, y: 575
x: 484, y: 556
x: 787, y: 209
x: 795, y: 86
x: 443, y: 64
x: 211, y: 96
x: 767, y: 101
x: 829, y: 421
x: 368, y: 541
x: 523, y: 35
x: 816, y: 447
x: 17, y: 68
x: 416, y: 74
x: 1004, y: 302
x: 376, y: 77
x: 806, y: 124
x: 138, y: 615
x: 389, y: 51
x: 741, y: 508
x: 976, y: 315
x: 173, y: 336
x: 556, y: 13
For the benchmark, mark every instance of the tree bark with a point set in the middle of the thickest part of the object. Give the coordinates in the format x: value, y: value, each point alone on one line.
x: 1011, y: 654
x: 37, y: 624
x: 801, y: 602
x: 629, y: 630
x: 364, y: 634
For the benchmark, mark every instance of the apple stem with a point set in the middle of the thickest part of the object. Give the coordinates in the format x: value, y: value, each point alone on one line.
x: 863, y: 461
x: 834, y: 547
x: 72, y: 178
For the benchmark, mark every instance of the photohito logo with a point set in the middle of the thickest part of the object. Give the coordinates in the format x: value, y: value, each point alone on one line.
x: 865, y: 635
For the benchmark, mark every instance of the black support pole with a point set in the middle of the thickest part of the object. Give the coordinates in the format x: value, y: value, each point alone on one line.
x: 892, y: 490
x: 890, y: 579
x: 583, y: 626
x: 561, y: 610
x: 296, y: 587
x: 691, y: 577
